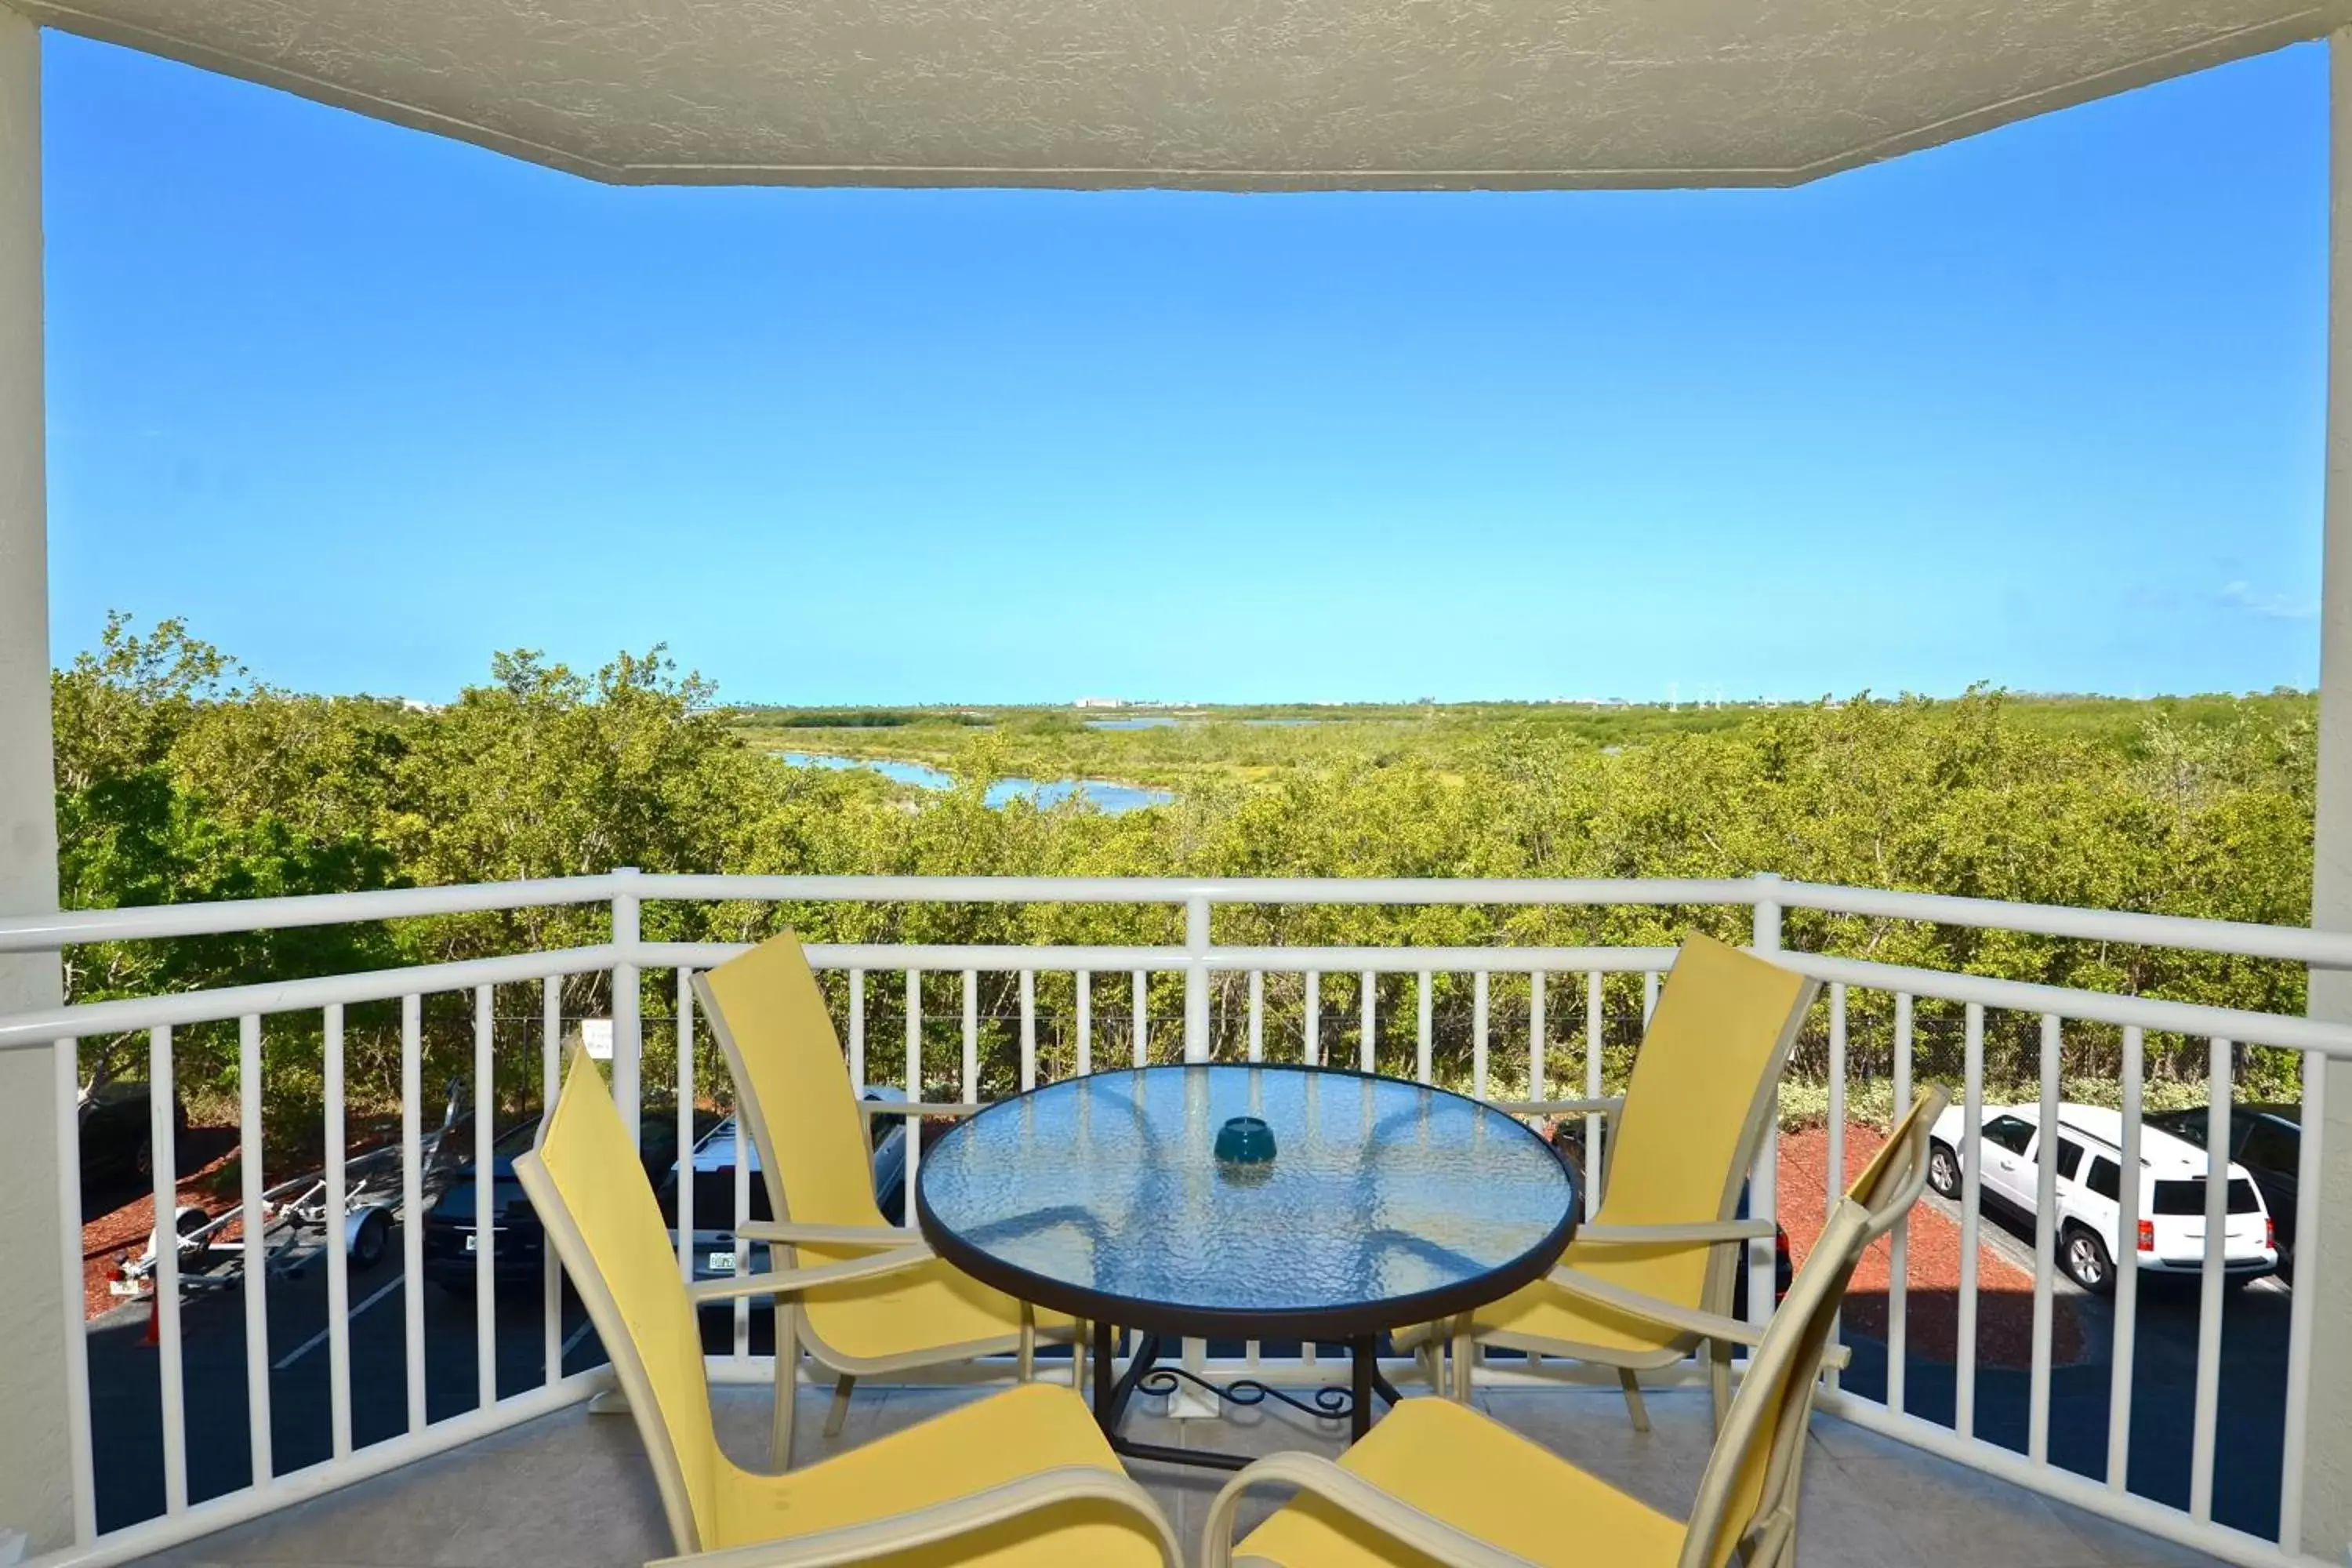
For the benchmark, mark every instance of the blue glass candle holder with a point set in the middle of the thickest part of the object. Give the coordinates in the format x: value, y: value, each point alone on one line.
x: 1244, y: 1142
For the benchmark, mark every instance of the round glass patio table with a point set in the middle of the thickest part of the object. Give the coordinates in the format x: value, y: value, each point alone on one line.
x: 1384, y: 1204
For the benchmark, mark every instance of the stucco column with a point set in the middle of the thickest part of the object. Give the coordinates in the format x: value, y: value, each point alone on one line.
x: 2327, y: 1469
x: 35, y: 1480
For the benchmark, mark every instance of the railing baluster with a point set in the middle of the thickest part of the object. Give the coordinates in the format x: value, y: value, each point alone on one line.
x: 857, y: 1027
x: 486, y: 1279
x: 254, y: 1225
x: 684, y: 1215
x: 1649, y: 995
x: 1835, y: 1134
x: 914, y: 1095
x: 1899, y: 1272
x: 1964, y: 1368
x: 1596, y: 1127
x: 2301, y: 1312
x: 339, y: 1273
x: 1143, y: 1019
x: 2209, y: 1307
x: 1422, y: 1043
x: 1536, y: 1035
x: 970, y: 1035
x: 744, y: 1147
x: 165, y: 1155
x: 1085, y: 986
x: 1478, y: 987
x: 66, y: 1060
x: 412, y: 1206
x: 1196, y: 979
x: 551, y: 1088
x: 2119, y: 1373
x: 1314, y: 1017
x: 1257, y: 1015
x: 628, y: 1026
x: 2045, y: 1246
x: 1028, y: 1030
x: 1369, y: 1000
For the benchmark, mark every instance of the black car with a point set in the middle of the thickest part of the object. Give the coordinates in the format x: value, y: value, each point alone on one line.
x: 2267, y: 1139
x: 450, y: 1234
x: 117, y: 1137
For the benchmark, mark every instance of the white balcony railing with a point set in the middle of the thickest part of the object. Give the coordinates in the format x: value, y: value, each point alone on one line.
x: 1225, y: 1012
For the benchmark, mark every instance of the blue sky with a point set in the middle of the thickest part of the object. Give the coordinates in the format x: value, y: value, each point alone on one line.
x: 2041, y: 409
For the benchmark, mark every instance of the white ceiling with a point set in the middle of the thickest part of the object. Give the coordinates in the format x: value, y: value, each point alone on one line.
x: 1218, y: 94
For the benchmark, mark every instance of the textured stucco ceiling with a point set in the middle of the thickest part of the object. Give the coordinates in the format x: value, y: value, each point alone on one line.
x: 1223, y: 94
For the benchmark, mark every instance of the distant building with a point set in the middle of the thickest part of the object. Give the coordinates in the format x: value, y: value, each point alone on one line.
x: 1100, y: 702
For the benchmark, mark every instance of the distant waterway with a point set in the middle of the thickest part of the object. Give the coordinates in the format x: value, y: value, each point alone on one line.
x: 1104, y: 795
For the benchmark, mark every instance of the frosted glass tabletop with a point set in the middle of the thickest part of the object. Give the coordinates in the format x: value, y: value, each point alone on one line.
x: 1384, y: 1203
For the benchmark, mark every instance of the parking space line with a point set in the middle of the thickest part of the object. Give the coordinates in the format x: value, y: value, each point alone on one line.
x: 315, y: 1340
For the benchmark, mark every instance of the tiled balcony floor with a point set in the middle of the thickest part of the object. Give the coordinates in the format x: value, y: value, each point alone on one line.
x: 571, y: 1489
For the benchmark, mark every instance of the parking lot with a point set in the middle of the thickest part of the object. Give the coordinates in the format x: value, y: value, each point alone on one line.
x: 127, y: 1406
x: 2248, y: 1442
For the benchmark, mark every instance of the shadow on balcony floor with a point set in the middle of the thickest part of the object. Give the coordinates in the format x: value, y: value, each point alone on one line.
x: 571, y: 1490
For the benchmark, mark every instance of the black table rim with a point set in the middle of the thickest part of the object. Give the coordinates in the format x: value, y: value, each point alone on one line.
x: 1328, y: 1322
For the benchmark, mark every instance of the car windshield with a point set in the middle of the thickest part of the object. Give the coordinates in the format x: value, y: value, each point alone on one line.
x: 2188, y: 1197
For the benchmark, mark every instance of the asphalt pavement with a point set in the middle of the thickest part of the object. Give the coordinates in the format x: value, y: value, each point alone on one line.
x: 127, y: 1421
x: 2250, y: 1432
x: 126, y: 1388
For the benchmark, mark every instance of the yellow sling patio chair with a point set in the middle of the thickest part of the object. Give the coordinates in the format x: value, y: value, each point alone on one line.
x: 1438, y: 1482
x: 1022, y: 1477
x: 1664, y: 1248
x: 907, y: 1307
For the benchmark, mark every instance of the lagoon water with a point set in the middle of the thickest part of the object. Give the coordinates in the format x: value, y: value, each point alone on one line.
x: 1104, y: 795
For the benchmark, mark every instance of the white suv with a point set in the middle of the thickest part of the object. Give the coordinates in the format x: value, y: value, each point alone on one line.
x: 2171, y: 1238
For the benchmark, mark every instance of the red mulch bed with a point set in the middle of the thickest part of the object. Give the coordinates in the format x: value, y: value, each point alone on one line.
x: 2004, y: 1291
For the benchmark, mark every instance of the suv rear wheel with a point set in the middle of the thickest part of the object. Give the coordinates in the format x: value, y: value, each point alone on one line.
x: 2086, y: 1260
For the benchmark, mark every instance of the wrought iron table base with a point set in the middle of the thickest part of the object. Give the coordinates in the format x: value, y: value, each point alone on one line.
x: 1144, y: 1374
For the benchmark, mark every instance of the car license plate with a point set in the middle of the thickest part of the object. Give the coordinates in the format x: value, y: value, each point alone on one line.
x: 471, y: 1238
x: 722, y: 1263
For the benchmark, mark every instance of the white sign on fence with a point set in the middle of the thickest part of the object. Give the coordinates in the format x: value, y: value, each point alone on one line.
x: 596, y: 1034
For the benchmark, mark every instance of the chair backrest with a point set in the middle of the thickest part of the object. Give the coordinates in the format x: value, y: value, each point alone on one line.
x: 791, y: 1085
x: 1751, y: 1478
x: 591, y: 1194
x: 1704, y: 1084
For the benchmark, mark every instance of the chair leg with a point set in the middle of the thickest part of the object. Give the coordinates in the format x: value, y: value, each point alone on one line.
x: 1634, y: 1405
x: 839, y: 1413
x: 788, y: 1387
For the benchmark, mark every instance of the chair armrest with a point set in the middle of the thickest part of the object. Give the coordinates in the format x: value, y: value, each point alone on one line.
x: 1709, y: 1231
x: 1689, y: 1319
x: 944, y: 1522
x: 1343, y: 1489
x: 790, y: 1281
x: 794, y: 1235
x: 1609, y: 1106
